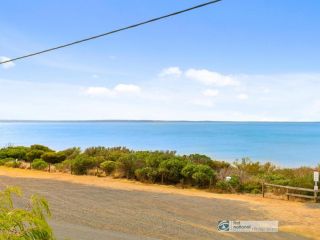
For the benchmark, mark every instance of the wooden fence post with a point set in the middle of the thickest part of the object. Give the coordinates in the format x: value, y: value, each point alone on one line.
x: 315, y: 195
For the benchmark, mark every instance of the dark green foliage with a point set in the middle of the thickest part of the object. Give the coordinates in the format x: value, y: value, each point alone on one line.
x: 40, y: 147
x: 170, y: 170
x: 18, y: 152
x: 34, y: 154
x: 146, y: 174
x: 126, y: 164
x: 39, y: 164
x: 13, y: 164
x: 188, y: 170
x: 108, y: 166
x: 81, y: 164
x: 251, y: 187
x: 53, y: 157
x: 4, y: 160
x: 160, y: 166
x: 203, y: 175
x: 198, y: 174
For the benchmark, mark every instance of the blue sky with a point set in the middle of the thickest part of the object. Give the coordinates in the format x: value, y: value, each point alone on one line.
x: 236, y: 60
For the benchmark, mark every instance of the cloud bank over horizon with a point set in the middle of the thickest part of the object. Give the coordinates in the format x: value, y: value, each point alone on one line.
x: 172, y: 94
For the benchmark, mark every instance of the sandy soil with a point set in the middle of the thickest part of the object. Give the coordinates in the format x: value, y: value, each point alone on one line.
x: 88, y: 207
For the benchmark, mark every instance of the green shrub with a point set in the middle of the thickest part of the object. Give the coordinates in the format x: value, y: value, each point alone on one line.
x: 64, y: 166
x: 170, y: 170
x: 223, y: 185
x: 39, y: 164
x: 13, y: 164
x: 198, y: 174
x: 108, y: 166
x: 188, y: 170
x: 203, y: 175
x: 3, y: 161
x: 146, y: 174
x: 127, y: 164
x: 81, y: 164
x: 251, y: 187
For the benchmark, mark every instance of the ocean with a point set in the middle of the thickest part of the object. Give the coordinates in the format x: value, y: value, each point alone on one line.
x: 285, y: 144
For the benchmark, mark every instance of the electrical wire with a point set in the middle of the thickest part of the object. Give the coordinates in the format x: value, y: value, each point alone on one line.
x: 111, y: 32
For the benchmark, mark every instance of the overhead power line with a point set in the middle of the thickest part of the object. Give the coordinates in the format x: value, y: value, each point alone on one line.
x: 112, y: 32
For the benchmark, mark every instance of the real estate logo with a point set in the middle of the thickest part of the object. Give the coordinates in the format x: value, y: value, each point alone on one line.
x: 223, y: 226
x: 248, y: 226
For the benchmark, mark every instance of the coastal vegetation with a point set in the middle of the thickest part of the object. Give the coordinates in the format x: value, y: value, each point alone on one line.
x: 23, y: 223
x: 162, y: 167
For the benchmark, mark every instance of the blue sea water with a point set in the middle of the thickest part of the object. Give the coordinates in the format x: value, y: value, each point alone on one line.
x: 285, y: 144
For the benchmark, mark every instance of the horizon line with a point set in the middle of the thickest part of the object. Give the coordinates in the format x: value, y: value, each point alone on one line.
x: 150, y: 120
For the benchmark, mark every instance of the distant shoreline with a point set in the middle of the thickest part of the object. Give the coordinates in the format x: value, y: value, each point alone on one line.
x: 152, y: 121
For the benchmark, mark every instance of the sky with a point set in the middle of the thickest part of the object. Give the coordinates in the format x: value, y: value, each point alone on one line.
x: 231, y: 61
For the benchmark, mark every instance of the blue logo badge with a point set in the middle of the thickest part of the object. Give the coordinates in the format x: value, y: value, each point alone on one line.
x: 223, y: 226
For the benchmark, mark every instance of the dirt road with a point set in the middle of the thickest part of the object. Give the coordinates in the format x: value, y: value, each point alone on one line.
x: 87, y: 207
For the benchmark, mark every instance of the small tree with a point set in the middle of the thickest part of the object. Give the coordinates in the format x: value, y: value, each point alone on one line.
x: 33, y: 154
x: 21, y: 224
x: 53, y: 158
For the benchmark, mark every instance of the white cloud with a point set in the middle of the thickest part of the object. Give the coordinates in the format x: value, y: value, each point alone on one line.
x: 98, y: 91
x: 210, y: 78
x: 6, y: 65
x: 243, y: 96
x: 180, y: 100
x: 95, y: 76
x: 210, y: 93
x: 127, y: 88
x: 118, y: 89
x: 171, y: 72
x: 203, y: 102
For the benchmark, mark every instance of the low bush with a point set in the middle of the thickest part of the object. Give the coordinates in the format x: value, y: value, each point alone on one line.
x: 64, y: 166
x: 159, y: 166
x: 147, y: 174
x: 13, y: 164
x: 81, y: 164
x: 251, y: 187
x: 3, y: 161
x: 108, y: 167
x: 39, y: 164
